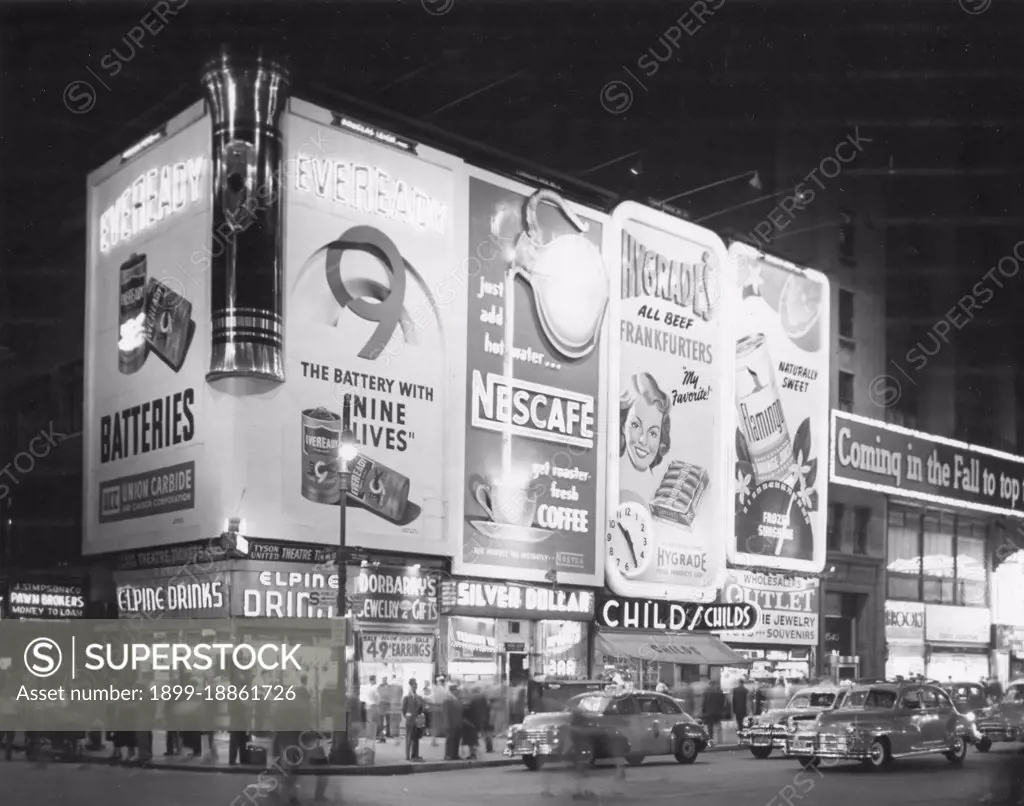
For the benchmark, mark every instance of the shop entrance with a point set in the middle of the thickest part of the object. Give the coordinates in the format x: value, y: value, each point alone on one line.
x: 515, y: 669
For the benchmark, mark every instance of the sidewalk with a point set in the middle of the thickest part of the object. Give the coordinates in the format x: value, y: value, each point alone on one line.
x: 389, y: 759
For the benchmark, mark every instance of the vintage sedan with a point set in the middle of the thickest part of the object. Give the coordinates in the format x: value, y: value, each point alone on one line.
x: 768, y: 731
x: 611, y: 724
x: 1004, y: 721
x: 972, y: 701
x: 880, y: 723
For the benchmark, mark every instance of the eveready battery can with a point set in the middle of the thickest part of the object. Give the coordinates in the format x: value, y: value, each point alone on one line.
x: 131, y: 334
x: 321, y: 436
x: 379, y: 488
x: 762, y: 421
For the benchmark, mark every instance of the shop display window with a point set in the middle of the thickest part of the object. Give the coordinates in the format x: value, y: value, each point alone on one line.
x: 936, y: 557
x: 903, y: 540
x: 562, y: 649
x: 472, y: 650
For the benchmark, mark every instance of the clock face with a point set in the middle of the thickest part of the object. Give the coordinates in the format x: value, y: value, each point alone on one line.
x: 630, y: 541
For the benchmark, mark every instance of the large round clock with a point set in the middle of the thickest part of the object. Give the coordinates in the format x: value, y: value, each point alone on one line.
x: 630, y: 541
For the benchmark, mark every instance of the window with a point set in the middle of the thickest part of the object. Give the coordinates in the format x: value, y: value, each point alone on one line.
x: 589, y: 704
x: 861, y: 521
x: 880, y: 699
x: 971, y: 563
x: 513, y: 626
x: 845, y: 313
x: 912, y: 700
x: 669, y: 706
x: 942, y: 700
x: 903, y: 554
x: 622, y: 707
x: 835, y: 526
x: 928, y: 699
x: 937, y: 559
x: 649, y: 705
x: 845, y: 391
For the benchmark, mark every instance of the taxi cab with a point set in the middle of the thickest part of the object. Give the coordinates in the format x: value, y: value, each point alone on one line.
x: 614, y: 723
x: 880, y: 723
x: 1004, y: 722
x: 767, y: 732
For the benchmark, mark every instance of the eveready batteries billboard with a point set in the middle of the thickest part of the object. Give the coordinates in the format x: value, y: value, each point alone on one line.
x: 147, y: 324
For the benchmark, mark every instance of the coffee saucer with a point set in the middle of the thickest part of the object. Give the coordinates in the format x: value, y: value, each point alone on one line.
x: 507, y: 531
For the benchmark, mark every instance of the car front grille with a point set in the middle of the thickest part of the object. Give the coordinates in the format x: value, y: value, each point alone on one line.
x: 998, y: 730
x: 532, y: 742
x: 768, y: 735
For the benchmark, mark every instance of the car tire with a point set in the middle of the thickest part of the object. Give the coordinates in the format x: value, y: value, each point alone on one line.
x: 879, y: 755
x: 532, y: 763
x: 686, y: 750
x: 957, y: 752
x: 984, y: 745
x: 761, y: 752
x: 635, y: 760
x: 808, y: 762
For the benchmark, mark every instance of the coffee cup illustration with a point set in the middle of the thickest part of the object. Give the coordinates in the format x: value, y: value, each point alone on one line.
x: 505, y: 501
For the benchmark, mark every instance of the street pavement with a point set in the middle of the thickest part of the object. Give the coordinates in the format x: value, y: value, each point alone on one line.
x: 717, y: 779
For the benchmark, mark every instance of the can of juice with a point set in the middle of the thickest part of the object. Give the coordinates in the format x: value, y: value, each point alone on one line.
x: 762, y: 420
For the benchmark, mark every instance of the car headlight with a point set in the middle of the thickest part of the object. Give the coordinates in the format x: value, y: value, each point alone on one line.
x: 748, y: 721
x: 971, y: 717
x: 791, y: 724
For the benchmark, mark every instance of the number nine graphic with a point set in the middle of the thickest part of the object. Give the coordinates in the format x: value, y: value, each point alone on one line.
x: 372, y: 304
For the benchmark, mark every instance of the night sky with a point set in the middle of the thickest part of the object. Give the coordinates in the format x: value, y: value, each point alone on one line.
x: 700, y: 95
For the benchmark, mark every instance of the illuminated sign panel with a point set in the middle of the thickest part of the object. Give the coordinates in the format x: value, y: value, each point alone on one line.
x: 888, y: 459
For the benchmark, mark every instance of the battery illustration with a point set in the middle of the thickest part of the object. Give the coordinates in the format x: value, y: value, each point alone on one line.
x: 131, y: 336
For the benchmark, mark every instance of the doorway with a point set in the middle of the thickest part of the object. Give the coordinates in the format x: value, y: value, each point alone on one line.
x: 516, y: 669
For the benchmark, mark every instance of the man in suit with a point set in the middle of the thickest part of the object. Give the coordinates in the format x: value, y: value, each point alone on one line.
x: 412, y: 711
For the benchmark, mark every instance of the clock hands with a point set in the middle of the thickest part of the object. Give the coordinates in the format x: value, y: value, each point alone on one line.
x: 629, y: 542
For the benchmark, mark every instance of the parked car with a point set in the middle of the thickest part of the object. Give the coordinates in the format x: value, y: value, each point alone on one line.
x: 1004, y: 721
x: 767, y: 732
x: 972, y: 701
x: 878, y: 724
x: 609, y: 724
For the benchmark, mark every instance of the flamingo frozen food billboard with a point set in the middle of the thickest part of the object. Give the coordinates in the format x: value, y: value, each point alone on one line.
x: 781, y: 439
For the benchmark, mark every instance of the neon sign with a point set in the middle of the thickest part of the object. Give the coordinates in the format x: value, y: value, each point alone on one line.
x: 151, y: 198
x: 372, y: 190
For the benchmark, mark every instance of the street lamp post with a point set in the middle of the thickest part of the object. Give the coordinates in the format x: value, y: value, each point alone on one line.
x: 341, y: 749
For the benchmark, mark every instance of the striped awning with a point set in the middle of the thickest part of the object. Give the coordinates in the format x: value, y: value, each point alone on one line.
x: 692, y: 648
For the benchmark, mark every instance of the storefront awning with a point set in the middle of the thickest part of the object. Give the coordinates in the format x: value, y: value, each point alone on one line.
x: 693, y: 648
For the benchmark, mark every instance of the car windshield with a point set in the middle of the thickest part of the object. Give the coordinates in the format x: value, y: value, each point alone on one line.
x: 588, y: 704
x: 549, y: 697
x: 870, y: 698
x: 963, y: 694
x: 1014, y: 694
x: 812, y: 699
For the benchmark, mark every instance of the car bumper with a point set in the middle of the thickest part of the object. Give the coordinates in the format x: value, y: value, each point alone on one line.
x: 829, y: 746
x: 1000, y: 732
x: 774, y: 737
x: 526, y: 745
